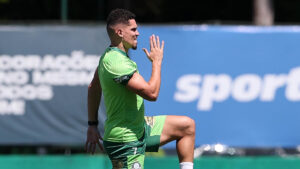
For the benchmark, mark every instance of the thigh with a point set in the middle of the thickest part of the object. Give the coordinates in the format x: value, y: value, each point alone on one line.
x: 126, y: 155
x: 175, y: 127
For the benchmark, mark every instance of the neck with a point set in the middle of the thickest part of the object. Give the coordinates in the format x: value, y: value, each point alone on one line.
x: 120, y: 46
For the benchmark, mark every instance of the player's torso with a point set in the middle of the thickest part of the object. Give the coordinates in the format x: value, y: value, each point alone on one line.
x: 125, y: 109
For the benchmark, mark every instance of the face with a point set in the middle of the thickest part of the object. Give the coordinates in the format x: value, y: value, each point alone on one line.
x: 130, y: 34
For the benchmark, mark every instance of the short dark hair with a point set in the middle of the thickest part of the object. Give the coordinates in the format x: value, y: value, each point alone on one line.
x: 119, y: 16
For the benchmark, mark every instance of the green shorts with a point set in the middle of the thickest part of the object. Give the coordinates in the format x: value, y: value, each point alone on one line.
x: 131, y: 155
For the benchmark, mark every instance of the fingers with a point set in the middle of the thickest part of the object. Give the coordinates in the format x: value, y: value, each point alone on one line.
x: 100, y: 142
x: 93, y: 139
x: 151, y: 43
x: 156, y: 48
x: 90, y: 147
x: 147, y: 54
x: 93, y: 148
x: 154, y: 41
x: 100, y: 145
x: 146, y: 51
x: 162, y: 45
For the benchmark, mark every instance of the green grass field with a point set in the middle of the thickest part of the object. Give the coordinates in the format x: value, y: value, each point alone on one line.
x: 102, y: 162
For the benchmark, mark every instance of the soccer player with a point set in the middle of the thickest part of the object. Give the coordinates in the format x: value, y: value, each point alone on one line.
x: 128, y: 134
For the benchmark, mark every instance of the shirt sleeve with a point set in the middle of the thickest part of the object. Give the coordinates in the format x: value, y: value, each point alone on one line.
x: 121, y: 69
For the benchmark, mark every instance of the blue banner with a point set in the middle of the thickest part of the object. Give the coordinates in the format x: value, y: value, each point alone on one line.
x: 240, y: 84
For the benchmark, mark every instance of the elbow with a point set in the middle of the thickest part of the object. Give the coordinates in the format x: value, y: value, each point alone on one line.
x: 148, y: 94
x: 152, y: 97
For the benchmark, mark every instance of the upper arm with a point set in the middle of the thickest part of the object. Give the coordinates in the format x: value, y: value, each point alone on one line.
x: 94, y: 97
x: 95, y: 83
x: 123, y: 71
x: 138, y: 85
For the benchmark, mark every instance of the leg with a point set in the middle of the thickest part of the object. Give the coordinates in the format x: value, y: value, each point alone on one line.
x: 125, y: 155
x: 181, y: 129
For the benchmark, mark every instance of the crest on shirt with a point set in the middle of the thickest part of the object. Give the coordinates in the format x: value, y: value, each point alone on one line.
x: 136, y: 165
x: 149, y: 121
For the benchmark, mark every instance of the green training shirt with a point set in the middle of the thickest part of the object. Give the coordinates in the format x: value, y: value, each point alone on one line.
x: 124, y: 109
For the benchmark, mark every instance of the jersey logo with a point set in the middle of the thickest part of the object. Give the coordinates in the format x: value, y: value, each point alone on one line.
x: 136, y: 165
x: 149, y: 121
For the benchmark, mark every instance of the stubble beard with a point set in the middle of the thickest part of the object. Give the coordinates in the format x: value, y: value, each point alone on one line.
x: 134, y: 47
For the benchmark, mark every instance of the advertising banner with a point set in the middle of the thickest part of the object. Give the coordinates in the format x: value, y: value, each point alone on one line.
x: 44, y: 74
x: 241, y: 84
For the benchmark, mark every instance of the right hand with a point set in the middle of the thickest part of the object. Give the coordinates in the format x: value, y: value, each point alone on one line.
x: 93, y: 139
x: 156, y: 50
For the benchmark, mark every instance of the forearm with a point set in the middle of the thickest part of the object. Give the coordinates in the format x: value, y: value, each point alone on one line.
x: 94, y: 97
x: 149, y: 90
x: 155, y: 80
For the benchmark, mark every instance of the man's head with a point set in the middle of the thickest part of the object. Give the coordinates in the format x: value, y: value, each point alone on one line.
x: 122, y: 28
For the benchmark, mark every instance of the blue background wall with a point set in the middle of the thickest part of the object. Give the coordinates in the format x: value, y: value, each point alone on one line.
x: 234, y: 81
x: 240, y: 84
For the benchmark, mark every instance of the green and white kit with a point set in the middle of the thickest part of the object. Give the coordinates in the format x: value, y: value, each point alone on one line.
x: 128, y: 134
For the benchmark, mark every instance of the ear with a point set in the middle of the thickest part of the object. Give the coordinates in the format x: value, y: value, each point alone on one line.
x: 119, y: 32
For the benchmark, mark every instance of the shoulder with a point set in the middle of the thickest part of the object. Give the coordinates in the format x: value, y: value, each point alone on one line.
x: 117, y: 63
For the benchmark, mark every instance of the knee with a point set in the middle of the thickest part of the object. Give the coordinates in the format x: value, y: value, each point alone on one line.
x: 189, y: 126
